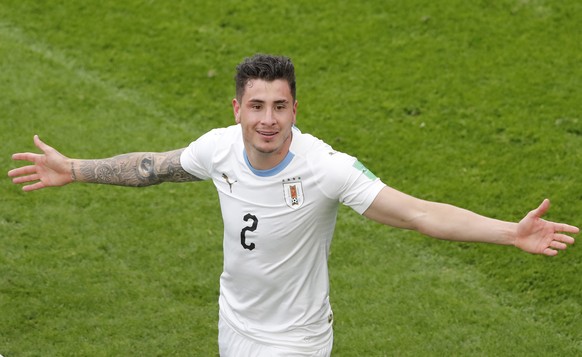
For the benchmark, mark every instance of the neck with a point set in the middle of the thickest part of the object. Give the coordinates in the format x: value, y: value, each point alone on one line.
x: 261, y: 160
x: 264, y: 161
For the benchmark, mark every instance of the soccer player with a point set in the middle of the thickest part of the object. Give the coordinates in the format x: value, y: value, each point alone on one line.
x: 279, y: 192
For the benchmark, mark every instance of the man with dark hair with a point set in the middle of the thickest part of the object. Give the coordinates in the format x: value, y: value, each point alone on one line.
x: 265, y: 67
x: 279, y: 192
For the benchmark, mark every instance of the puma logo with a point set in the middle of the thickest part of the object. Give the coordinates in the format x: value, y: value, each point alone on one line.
x: 225, y: 177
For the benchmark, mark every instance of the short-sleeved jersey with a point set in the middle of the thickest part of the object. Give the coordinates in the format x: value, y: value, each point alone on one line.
x: 278, y: 226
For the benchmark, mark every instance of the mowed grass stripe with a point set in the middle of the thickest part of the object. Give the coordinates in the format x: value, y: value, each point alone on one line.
x: 43, y: 82
x: 9, y: 32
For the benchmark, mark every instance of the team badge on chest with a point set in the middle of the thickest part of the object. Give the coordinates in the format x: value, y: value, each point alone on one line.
x: 293, y: 192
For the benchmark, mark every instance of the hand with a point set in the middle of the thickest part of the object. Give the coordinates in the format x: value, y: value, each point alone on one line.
x: 49, y: 169
x: 538, y: 236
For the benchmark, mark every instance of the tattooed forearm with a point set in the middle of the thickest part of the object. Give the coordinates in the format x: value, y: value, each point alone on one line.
x: 137, y: 169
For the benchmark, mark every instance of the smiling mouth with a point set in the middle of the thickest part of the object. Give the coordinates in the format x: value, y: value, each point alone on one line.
x: 268, y: 133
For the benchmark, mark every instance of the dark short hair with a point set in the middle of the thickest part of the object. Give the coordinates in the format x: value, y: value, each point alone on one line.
x: 265, y: 67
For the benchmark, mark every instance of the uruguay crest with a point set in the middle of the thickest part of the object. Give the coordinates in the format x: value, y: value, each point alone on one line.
x: 293, y: 192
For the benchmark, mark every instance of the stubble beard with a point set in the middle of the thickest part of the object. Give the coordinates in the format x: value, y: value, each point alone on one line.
x: 274, y: 150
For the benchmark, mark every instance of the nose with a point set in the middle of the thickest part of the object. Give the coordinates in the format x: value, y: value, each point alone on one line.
x: 269, y: 117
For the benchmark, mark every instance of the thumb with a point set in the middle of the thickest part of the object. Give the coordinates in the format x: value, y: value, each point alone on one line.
x: 541, y: 210
x: 40, y: 144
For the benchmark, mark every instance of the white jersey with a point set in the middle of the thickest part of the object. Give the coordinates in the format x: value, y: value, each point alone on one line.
x: 278, y: 226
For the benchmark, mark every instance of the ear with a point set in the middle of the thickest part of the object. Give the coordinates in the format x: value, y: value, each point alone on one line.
x: 236, y: 110
x: 294, y: 112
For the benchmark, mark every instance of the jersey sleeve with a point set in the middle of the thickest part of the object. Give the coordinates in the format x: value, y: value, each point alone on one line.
x: 196, y: 159
x: 349, y: 181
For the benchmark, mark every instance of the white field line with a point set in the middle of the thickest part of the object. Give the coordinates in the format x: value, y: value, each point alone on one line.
x: 13, y: 33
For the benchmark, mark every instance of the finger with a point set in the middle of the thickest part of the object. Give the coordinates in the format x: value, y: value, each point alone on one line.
x: 36, y: 186
x: 564, y: 239
x: 26, y: 156
x: 558, y: 245
x: 541, y: 210
x: 40, y: 144
x: 24, y: 179
x: 562, y: 227
x: 550, y: 252
x: 25, y: 170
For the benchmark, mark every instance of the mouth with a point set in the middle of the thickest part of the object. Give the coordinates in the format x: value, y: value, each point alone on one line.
x: 267, y: 134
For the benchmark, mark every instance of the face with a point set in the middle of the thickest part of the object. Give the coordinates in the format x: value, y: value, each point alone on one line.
x: 266, y: 113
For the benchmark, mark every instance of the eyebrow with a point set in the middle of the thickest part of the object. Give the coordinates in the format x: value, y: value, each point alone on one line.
x: 279, y: 101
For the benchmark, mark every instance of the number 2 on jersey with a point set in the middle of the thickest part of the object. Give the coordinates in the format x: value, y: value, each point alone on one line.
x: 251, y: 228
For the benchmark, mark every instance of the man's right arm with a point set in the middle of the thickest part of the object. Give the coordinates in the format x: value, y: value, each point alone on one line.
x: 135, y: 169
x: 51, y: 169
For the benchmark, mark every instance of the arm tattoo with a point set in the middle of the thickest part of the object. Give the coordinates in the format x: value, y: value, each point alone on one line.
x: 73, y: 174
x: 136, y: 169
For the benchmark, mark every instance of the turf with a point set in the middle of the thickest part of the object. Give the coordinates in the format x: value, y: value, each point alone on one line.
x: 471, y: 103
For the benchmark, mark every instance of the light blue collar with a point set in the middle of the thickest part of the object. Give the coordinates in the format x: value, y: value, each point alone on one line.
x: 273, y: 171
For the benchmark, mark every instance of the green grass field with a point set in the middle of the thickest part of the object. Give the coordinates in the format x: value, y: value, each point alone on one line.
x: 475, y: 103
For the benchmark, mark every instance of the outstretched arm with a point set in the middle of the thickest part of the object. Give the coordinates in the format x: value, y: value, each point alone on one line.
x: 51, y: 169
x: 532, y: 234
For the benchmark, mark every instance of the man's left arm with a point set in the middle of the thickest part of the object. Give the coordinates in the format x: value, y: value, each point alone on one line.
x: 443, y: 221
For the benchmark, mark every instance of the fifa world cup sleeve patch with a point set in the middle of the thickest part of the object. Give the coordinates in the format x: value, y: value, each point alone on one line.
x: 359, y: 166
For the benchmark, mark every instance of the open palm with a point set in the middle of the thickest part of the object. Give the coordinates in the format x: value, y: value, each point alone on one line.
x: 538, y: 236
x: 48, y: 169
